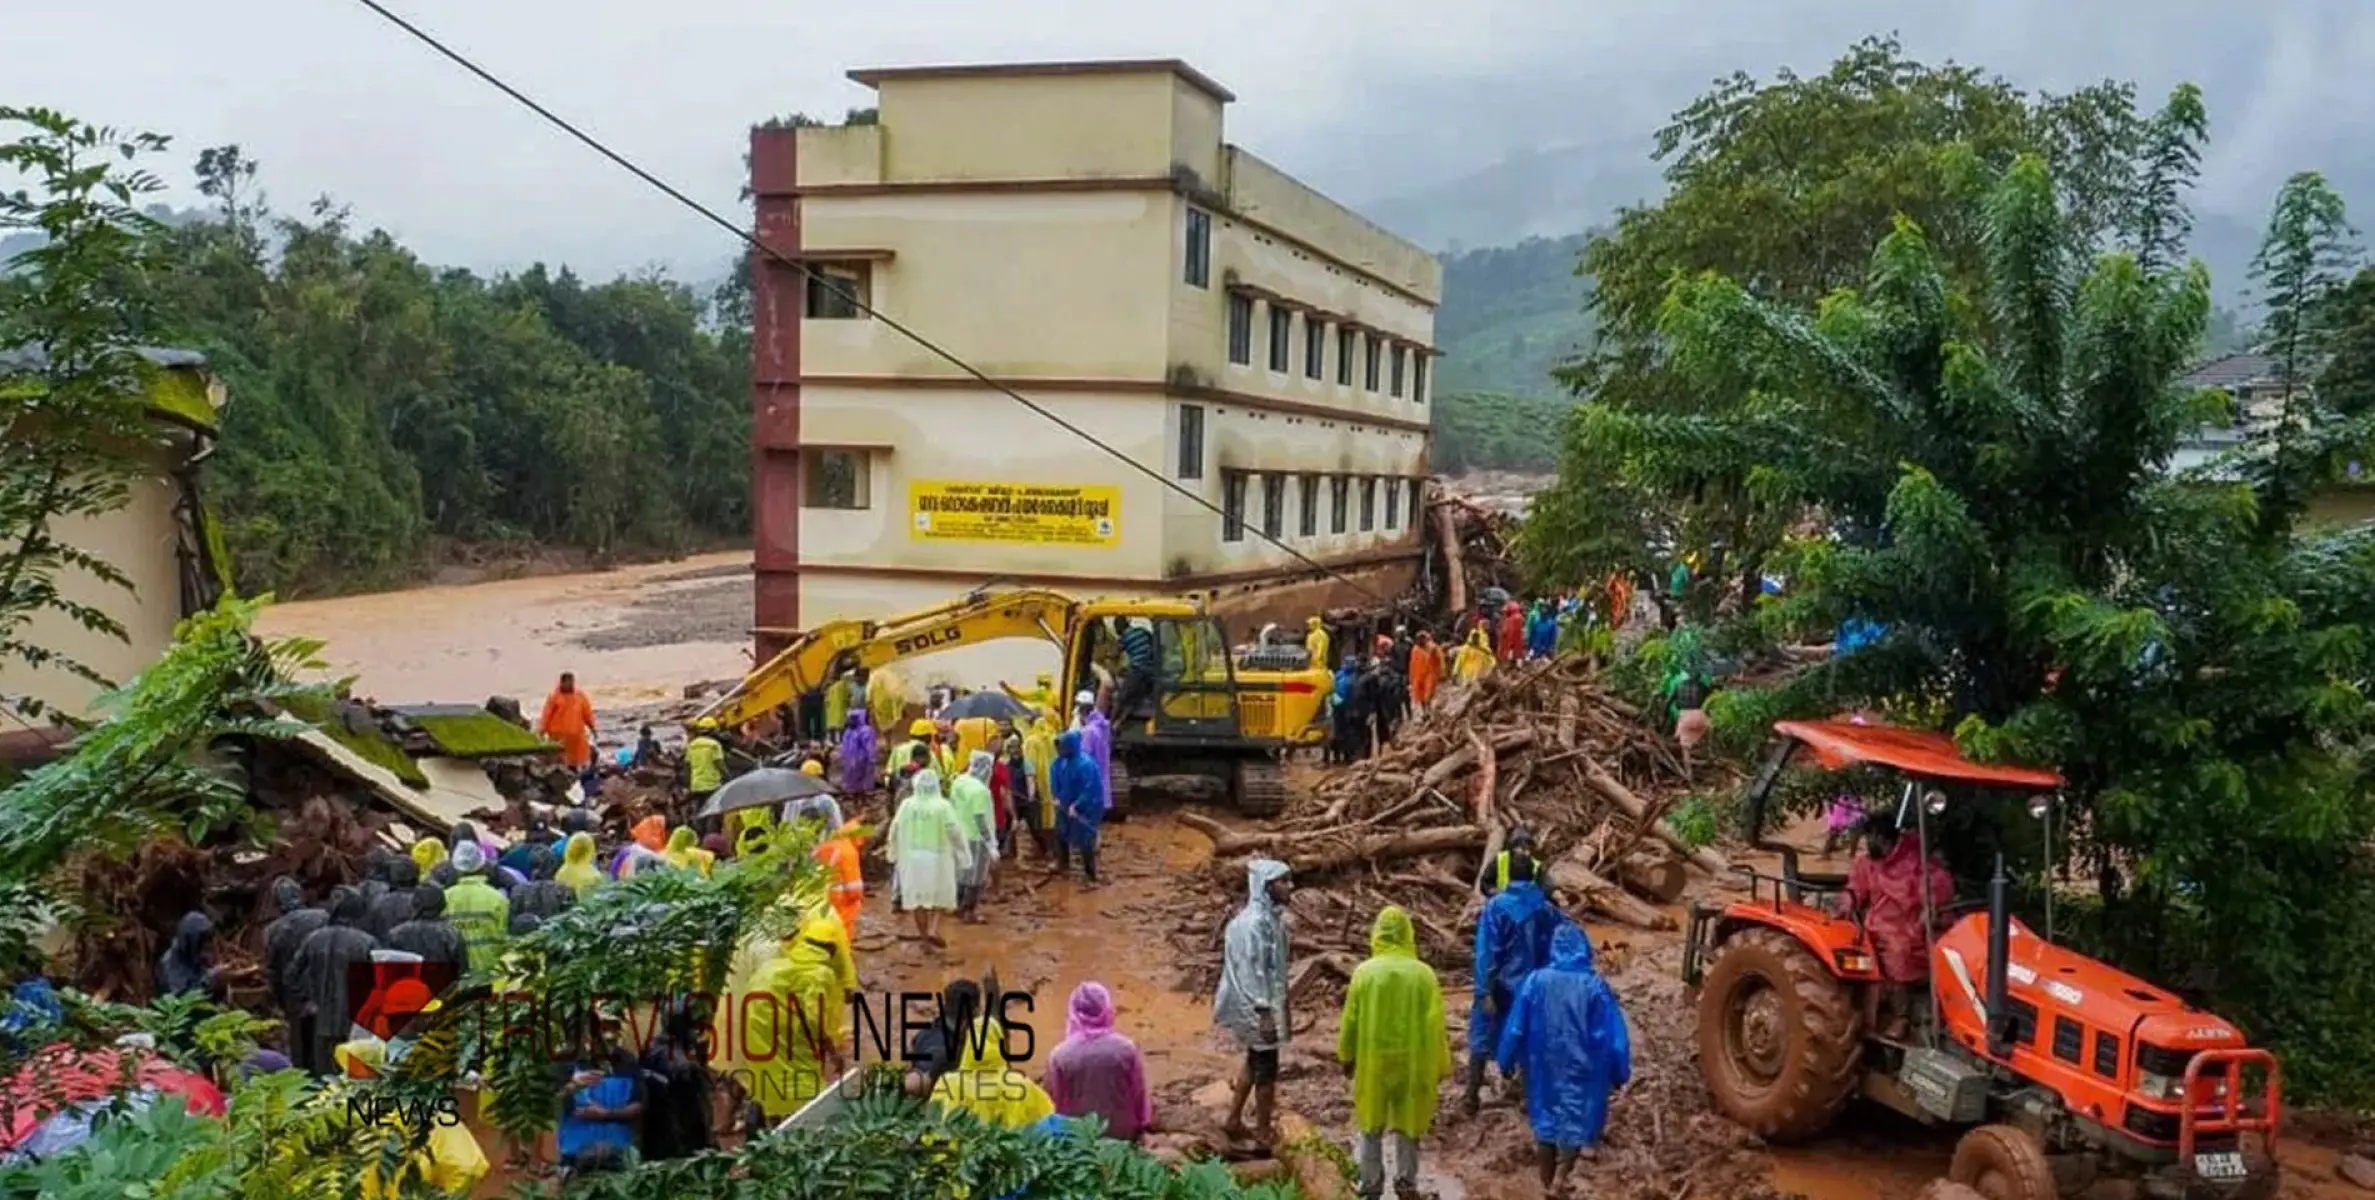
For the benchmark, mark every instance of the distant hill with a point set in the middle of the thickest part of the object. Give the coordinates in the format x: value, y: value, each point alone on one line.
x: 1509, y: 315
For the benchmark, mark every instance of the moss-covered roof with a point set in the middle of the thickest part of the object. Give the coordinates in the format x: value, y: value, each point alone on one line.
x: 473, y: 733
x: 371, y: 744
x: 178, y: 382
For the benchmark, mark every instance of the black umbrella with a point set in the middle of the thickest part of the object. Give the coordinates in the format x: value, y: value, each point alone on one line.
x: 997, y: 706
x: 771, y: 785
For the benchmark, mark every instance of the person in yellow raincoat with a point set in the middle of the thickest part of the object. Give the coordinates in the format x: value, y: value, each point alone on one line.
x: 451, y: 1163
x: 886, y: 700
x: 684, y: 850
x: 1393, y: 1041
x: 837, y: 703
x: 577, y: 865
x: 975, y: 733
x: 426, y: 854
x: 796, y: 1020
x: 1315, y: 640
x: 918, y: 730
x: 1475, y: 659
x: 985, y: 1086
x: 1039, y: 754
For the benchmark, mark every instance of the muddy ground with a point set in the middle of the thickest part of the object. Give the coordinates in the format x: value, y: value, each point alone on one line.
x: 637, y: 636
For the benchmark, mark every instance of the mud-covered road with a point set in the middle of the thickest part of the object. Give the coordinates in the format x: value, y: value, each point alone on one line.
x: 637, y: 636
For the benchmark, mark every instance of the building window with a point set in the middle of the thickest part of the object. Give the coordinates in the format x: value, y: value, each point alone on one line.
x: 838, y: 292
x: 1199, y: 248
x: 1273, y: 505
x: 1399, y: 355
x: 834, y: 479
x: 1344, y: 336
x: 1418, y: 377
x: 1393, y: 504
x: 1282, y: 332
x: 1240, y: 328
x: 1232, y: 506
x: 1418, y: 502
x: 1369, y: 361
x: 1368, y: 503
x: 1191, y: 441
x: 1339, y: 486
x: 1315, y: 349
x: 1309, y: 518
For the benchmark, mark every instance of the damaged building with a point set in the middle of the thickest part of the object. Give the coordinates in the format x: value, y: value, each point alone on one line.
x: 1084, y: 234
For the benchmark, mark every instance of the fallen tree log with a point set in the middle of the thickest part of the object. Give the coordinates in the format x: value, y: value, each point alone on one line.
x: 1597, y: 893
x: 1622, y: 797
x: 1331, y: 850
x: 1659, y: 879
x: 1455, y: 573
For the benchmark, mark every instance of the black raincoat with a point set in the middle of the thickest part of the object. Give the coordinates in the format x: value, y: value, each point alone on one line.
x: 285, y: 934
x: 427, y: 933
x: 331, y: 964
x: 187, y: 965
x: 394, y: 908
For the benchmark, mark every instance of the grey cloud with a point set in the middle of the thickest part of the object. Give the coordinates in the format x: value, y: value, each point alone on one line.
x: 1387, y: 103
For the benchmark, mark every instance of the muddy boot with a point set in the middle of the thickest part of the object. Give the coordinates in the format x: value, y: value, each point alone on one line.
x: 1472, y: 1099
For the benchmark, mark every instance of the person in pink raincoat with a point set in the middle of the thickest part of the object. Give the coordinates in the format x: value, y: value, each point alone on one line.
x: 1098, y: 1071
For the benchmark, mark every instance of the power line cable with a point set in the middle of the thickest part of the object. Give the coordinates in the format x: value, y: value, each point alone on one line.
x: 747, y: 237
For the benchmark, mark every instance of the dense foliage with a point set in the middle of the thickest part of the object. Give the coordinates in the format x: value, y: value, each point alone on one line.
x: 1988, y: 443
x: 74, y: 427
x: 378, y: 403
x: 1782, y: 185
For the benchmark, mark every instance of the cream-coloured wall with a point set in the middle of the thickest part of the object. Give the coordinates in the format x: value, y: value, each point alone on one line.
x: 840, y: 154
x: 1048, y: 284
x: 968, y: 435
x: 139, y: 540
x: 1273, y: 197
x: 1027, y: 126
x: 1196, y: 133
x: 1257, y: 259
x: 1243, y: 439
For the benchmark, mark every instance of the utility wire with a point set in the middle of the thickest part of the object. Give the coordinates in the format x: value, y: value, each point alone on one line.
x: 746, y: 236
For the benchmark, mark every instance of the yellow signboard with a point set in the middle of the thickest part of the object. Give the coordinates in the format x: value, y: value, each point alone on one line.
x: 1027, y: 513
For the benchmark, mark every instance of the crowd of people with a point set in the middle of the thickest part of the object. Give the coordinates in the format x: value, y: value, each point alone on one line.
x: 1540, y: 1012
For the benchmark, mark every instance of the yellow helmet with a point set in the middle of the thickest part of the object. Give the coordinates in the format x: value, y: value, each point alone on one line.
x: 813, y: 767
x: 921, y: 728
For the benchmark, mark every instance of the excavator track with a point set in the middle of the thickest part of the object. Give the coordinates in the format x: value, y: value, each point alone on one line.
x: 1260, y: 787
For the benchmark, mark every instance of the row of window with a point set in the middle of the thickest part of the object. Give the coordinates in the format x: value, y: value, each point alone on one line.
x: 1236, y: 486
x: 1404, y: 366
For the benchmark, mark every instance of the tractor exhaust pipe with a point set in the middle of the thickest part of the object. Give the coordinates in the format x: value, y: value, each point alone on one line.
x: 1999, y: 959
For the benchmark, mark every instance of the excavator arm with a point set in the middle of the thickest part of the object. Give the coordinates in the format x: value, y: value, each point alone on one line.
x: 839, y: 647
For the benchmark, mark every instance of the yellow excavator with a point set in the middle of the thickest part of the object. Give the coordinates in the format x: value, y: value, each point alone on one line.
x: 1203, y: 713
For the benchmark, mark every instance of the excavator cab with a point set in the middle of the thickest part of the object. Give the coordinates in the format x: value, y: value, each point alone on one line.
x: 2059, y: 1065
x: 1184, y: 689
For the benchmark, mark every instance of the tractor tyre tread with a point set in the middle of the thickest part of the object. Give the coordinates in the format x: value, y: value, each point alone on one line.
x: 1259, y: 788
x: 1118, y: 777
x: 1824, y: 1059
x: 2012, y: 1158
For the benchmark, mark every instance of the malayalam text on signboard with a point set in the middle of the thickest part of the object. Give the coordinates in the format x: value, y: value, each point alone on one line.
x: 1028, y: 513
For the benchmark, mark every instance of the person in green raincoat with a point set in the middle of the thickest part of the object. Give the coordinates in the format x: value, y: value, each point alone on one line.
x: 1394, y: 1045
x: 928, y: 854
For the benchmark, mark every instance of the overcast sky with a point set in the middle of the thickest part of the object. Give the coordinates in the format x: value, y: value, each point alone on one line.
x: 1365, y: 98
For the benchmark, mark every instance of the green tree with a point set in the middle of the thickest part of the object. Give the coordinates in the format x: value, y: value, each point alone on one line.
x: 74, y: 312
x: 1780, y: 184
x: 2300, y: 274
x: 1993, y: 458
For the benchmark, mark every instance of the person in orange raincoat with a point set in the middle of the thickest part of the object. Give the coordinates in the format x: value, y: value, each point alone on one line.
x: 1426, y: 669
x: 1513, y: 632
x: 569, y: 719
x: 839, y: 854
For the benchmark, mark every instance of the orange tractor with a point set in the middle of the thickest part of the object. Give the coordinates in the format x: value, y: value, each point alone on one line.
x: 2062, y: 1068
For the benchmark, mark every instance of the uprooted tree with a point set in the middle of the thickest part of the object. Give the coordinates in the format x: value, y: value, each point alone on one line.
x: 1991, y: 461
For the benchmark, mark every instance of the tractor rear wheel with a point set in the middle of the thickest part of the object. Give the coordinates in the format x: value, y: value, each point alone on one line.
x: 1119, y: 778
x: 1946, y: 1189
x: 2003, y: 1163
x: 1781, y: 1040
x: 1259, y: 787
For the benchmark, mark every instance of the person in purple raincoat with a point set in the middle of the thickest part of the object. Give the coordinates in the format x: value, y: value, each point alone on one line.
x: 857, y: 753
x: 1096, y: 741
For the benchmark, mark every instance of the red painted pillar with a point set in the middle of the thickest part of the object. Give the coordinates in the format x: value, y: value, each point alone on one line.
x: 777, y: 292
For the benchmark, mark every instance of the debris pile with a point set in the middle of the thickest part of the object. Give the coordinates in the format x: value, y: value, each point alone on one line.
x: 1540, y: 745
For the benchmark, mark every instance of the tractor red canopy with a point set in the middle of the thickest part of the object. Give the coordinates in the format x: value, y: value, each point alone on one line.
x: 1839, y: 744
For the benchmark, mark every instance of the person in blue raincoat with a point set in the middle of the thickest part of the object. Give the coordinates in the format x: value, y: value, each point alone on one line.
x: 1079, y: 789
x: 1567, y: 1034
x: 1542, y: 631
x: 1512, y: 941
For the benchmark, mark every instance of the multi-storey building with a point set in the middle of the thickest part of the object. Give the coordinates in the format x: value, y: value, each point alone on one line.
x: 1224, y: 374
